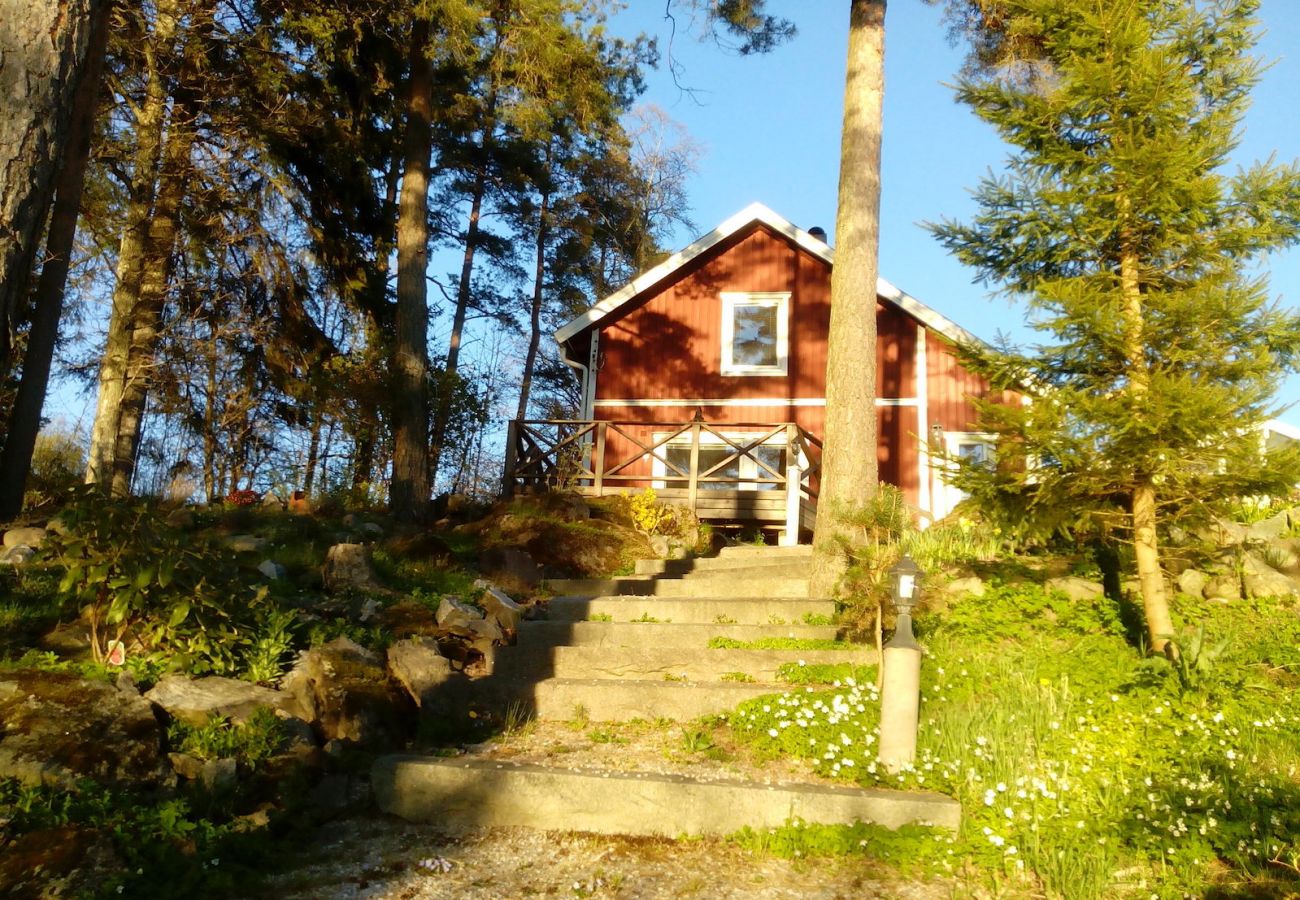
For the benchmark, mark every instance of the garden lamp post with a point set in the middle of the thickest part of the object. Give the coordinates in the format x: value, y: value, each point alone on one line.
x: 900, y: 693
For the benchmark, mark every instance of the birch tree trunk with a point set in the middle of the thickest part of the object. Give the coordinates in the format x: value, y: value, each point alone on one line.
x: 849, y: 471
x: 409, y: 491
x: 43, y: 48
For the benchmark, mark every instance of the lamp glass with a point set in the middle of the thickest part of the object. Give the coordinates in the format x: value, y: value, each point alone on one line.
x: 906, y: 586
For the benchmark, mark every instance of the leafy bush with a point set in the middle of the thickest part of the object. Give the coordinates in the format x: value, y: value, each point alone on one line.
x: 145, y: 585
x: 250, y: 742
x: 651, y: 517
x: 1020, y: 611
x: 167, y: 847
x: 58, y: 460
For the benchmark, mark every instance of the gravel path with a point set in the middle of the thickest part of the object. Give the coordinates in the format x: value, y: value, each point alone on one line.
x: 380, y: 857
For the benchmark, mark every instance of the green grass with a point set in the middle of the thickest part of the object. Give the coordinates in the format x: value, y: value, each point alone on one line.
x: 780, y: 643
x: 824, y: 673
x: 30, y: 606
x: 1083, y: 769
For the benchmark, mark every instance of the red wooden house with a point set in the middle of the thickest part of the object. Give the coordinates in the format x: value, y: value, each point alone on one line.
x: 705, y: 378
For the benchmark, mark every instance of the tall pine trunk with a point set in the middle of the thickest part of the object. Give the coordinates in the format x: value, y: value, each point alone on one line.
x: 849, y: 472
x: 157, y: 275
x: 535, y: 309
x: 443, y: 412
x: 409, y: 490
x: 131, y: 254
x: 25, y: 419
x: 44, y: 47
x: 464, y: 291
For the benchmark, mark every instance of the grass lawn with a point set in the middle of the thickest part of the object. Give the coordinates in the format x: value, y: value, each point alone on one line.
x: 1084, y: 769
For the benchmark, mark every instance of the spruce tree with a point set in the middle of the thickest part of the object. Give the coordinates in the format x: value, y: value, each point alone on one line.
x: 1118, y: 223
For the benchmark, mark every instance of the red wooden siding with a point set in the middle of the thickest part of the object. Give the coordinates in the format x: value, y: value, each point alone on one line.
x: 895, y: 353
x: 670, y: 345
x: 951, y: 387
x: 667, y: 345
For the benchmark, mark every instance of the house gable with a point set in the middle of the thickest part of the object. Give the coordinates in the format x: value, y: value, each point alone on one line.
x: 624, y: 300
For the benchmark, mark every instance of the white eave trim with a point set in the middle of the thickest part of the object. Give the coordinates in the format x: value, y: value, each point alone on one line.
x: 757, y: 212
x: 1283, y: 429
x: 928, y: 317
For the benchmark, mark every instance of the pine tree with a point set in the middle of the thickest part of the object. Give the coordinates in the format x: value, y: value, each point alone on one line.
x: 1118, y: 225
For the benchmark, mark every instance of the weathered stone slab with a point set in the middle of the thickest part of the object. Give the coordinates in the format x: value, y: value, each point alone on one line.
x: 196, y: 700
x: 458, y: 794
x: 699, y: 610
x: 58, y: 728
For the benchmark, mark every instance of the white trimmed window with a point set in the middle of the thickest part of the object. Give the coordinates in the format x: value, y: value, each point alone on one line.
x: 763, y: 464
x: 973, y: 446
x: 755, y: 333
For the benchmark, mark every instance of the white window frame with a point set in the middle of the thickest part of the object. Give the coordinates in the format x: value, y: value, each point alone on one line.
x: 949, y: 495
x: 780, y: 300
x: 748, y: 467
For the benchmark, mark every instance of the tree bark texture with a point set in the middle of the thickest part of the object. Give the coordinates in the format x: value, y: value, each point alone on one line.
x: 535, y: 309
x: 1146, y: 552
x: 442, y: 415
x: 157, y: 275
x: 149, y: 129
x: 25, y: 419
x: 43, y: 48
x: 849, y: 471
x: 409, y: 491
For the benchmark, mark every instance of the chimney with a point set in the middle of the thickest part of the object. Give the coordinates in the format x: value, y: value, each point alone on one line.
x: 818, y: 232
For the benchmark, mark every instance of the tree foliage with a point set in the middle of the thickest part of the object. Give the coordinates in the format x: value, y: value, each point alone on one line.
x: 1118, y: 224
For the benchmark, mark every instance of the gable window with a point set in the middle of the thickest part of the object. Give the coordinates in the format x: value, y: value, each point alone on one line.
x: 755, y: 333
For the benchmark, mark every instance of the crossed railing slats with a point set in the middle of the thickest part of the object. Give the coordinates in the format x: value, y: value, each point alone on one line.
x: 559, y: 453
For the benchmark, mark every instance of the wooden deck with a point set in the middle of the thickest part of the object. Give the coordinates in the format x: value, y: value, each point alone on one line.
x: 748, y: 473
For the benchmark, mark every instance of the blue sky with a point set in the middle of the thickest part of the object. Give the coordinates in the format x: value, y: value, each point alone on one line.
x: 770, y: 126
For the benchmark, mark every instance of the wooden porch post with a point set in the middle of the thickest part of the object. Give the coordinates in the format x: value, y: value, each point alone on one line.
x: 693, y: 488
x: 598, y: 460
x: 793, y: 476
x: 512, y: 456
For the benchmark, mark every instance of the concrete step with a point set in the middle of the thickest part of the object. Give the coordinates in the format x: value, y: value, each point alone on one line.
x: 624, y: 699
x: 468, y: 793
x: 694, y: 610
x: 791, y: 566
x: 655, y: 662
x: 766, y: 551
x: 657, y: 634
x: 722, y: 584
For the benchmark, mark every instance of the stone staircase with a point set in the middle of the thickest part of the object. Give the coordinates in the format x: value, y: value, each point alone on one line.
x: 615, y: 650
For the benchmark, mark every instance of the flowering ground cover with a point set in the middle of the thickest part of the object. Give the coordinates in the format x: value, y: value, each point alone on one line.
x: 1084, y: 767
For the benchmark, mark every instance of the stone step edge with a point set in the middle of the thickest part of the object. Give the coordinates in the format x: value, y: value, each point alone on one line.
x: 563, y: 660
x: 466, y: 793
x: 713, y: 565
x: 549, y: 632
x: 778, y: 612
x: 624, y: 699
x: 788, y: 589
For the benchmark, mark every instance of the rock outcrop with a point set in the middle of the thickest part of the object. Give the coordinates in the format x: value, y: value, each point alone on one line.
x: 59, y: 728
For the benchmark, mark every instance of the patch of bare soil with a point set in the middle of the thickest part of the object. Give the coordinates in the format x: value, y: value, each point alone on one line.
x: 386, y: 859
